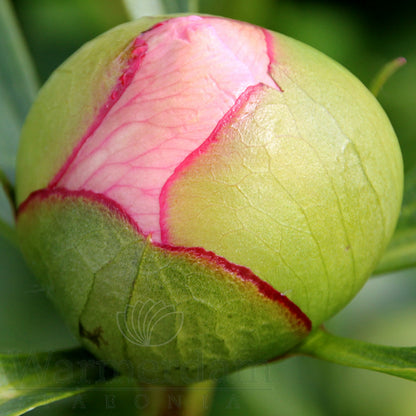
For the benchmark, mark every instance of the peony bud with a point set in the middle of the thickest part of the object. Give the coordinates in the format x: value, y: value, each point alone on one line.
x: 196, y: 194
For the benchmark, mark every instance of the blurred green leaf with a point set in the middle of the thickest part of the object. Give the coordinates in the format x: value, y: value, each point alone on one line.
x: 397, y: 361
x: 401, y: 252
x: 7, y: 190
x: 7, y: 210
x: 139, y: 8
x: 18, y: 87
x: 263, y: 389
x: 28, y: 321
x: 398, y: 98
x: 31, y: 380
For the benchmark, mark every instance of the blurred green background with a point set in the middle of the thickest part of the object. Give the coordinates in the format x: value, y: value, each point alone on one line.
x: 360, y: 36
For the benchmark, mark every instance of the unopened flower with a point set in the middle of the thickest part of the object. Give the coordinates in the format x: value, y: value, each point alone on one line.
x: 197, y: 194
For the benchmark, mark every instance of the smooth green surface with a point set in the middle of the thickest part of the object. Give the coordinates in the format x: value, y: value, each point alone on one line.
x: 164, y: 317
x: 397, y: 361
x: 297, y: 184
x: 18, y: 87
x: 31, y: 380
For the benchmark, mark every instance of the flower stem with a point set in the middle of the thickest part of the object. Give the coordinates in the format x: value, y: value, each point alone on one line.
x: 193, y: 400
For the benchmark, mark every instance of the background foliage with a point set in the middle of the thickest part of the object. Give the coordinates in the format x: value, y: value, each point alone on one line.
x: 360, y: 36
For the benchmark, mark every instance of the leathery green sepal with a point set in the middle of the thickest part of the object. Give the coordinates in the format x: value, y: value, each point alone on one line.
x: 164, y: 316
x: 287, y: 189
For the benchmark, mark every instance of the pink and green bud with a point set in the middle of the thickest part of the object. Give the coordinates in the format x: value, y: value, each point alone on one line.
x: 197, y: 194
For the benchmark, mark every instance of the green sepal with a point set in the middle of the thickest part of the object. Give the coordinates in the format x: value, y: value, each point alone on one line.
x: 284, y: 188
x: 165, y: 317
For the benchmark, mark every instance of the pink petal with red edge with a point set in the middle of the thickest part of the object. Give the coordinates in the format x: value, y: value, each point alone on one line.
x: 192, y: 72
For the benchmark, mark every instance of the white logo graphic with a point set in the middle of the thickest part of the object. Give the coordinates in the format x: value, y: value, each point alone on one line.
x: 150, y: 323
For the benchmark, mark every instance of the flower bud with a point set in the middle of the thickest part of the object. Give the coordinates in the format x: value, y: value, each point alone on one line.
x: 196, y: 194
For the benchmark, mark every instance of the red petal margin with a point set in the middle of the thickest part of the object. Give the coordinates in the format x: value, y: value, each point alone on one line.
x: 136, y: 54
x: 268, y: 38
x: 63, y: 193
x: 245, y: 274
x: 241, y: 101
x: 226, y: 120
x: 241, y: 272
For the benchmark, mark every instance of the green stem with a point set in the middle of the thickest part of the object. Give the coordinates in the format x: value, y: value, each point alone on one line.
x: 199, y: 398
x: 385, y: 73
x: 397, y: 361
x: 193, y: 400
